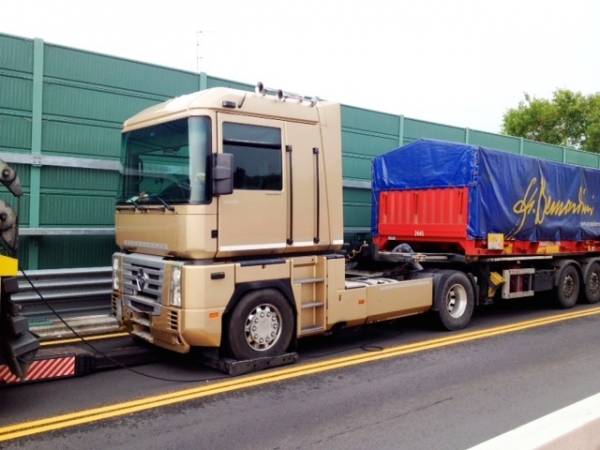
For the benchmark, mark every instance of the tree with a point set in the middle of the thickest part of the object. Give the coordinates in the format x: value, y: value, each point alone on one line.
x: 569, y: 118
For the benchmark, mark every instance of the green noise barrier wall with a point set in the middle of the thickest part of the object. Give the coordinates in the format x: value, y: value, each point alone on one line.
x: 61, y: 111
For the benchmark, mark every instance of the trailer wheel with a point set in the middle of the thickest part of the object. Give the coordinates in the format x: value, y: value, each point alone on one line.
x: 567, y: 289
x: 454, y: 300
x: 261, y: 325
x: 592, y: 284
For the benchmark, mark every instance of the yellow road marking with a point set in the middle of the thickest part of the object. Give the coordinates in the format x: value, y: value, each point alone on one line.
x: 205, y: 390
x: 75, y: 340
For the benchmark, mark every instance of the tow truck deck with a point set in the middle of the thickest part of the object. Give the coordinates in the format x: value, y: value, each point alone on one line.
x: 77, y: 359
x: 74, y: 360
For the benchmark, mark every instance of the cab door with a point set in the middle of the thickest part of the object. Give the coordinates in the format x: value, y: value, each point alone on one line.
x: 302, y: 146
x: 253, y: 218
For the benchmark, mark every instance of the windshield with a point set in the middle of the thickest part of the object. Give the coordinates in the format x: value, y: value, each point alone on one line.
x: 167, y: 163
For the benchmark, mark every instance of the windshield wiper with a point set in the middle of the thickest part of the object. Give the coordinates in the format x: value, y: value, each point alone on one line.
x: 130, y: 201
x: 160, y: 200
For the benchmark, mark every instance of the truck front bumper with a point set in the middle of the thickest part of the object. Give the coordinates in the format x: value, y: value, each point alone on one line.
x: 175, y: 329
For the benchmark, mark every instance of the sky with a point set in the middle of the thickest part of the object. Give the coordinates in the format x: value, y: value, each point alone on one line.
x: 460, y: 62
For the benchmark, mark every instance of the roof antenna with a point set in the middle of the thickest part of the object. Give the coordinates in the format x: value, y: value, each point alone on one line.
x: 198, y: 56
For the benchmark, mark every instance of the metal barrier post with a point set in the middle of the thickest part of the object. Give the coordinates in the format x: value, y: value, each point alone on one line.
x: 36, y: 148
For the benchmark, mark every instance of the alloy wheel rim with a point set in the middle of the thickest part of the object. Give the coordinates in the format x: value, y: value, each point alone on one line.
x: 456, y: 300
x: 568, y: 286
x: 262, y: 327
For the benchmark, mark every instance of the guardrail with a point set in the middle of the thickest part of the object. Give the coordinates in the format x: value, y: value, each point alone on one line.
x: 72, y: 292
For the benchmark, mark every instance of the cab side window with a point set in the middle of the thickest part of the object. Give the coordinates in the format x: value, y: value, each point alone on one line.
x: 256, y: 154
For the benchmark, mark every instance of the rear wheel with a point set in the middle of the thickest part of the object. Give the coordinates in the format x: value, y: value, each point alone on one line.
x: 261, y: 325
x: 567, y: 289
x: 454, y: 300
x: 592, y: 284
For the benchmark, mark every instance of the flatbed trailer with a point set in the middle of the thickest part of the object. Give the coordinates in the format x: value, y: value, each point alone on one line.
x: 518, y: 224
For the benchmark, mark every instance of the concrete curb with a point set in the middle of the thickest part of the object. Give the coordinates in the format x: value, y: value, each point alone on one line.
x: 576, y: 426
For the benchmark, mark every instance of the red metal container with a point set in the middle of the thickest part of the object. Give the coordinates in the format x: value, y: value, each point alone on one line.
x: 444, y: 197
x: 426, y: 213
x: 436, y: 220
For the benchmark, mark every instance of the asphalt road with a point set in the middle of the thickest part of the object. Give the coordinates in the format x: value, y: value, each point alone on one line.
x: 449, y: 398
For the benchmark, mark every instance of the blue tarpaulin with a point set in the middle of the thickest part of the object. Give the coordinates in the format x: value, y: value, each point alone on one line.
x: 522, y: 197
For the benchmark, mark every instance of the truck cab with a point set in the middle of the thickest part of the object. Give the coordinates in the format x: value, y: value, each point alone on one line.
x: 230, y: 226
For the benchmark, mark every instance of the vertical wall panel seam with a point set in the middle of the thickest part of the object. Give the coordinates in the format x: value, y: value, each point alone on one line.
x: 401, y: 130
x: 36, y: 146
x: 521, y: 146
x: 203, y: 81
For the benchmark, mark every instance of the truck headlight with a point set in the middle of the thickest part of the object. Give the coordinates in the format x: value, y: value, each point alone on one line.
x: 115, y: 272
x: 175, y: 298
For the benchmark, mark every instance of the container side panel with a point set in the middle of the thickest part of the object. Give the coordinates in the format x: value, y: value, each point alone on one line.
x: 529, y: 199
x: 426, y: 213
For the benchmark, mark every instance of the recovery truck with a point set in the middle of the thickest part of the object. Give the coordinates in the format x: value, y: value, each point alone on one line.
x: 230, y: 227
x: 17, y: 344
x: 21, y: 359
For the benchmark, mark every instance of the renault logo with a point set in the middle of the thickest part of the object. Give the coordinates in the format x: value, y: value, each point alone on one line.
x: 140, y: 280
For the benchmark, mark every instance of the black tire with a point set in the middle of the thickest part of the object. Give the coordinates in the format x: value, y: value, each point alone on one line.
x: 591, y: 291
x: 454, y: 300
x: 243, y: 343
x: 568, y: 286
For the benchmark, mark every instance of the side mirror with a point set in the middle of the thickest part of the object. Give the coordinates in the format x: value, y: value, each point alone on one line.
x: 222, y: 173
x: 10, y: 179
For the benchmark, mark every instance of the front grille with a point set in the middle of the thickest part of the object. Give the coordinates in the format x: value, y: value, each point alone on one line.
x: 174, y: 320
x: 141, y: 307
x: 143, y: 278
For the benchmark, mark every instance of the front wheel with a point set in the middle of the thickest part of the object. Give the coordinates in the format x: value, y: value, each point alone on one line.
x: 261, y: 325
x: 454, y: 300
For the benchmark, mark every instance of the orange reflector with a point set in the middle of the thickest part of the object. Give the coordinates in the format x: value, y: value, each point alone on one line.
x: 213, y: 315
x: 361, y: 301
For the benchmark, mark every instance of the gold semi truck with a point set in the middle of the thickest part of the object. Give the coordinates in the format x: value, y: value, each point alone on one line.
x: 230, y: 230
